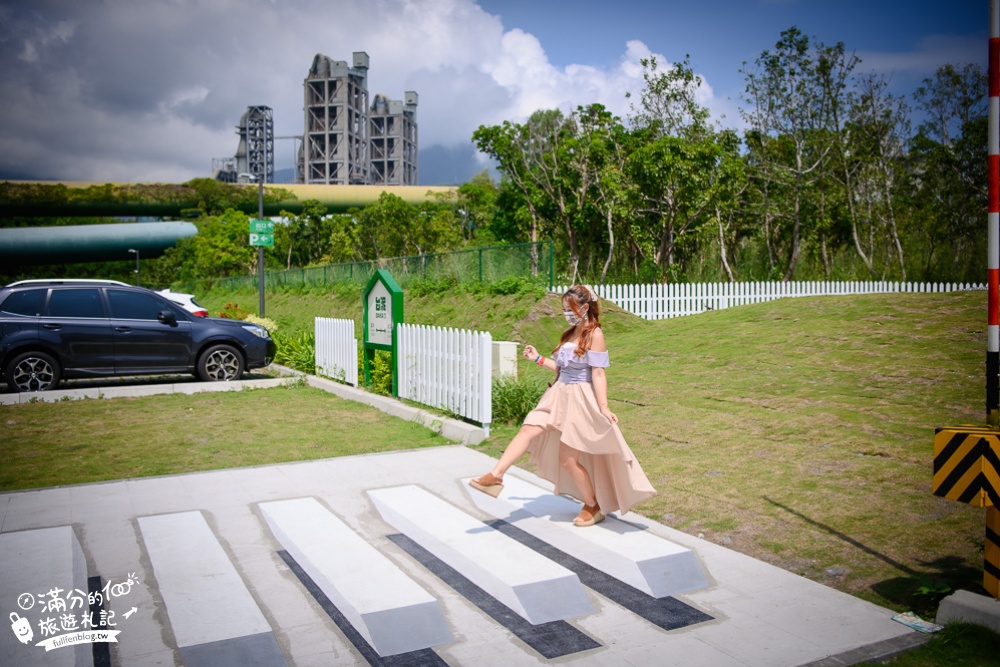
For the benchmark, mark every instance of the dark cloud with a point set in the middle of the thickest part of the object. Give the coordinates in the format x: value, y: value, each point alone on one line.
x: 145, y: 90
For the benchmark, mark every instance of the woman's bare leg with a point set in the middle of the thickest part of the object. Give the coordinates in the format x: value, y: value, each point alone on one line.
x: 516, y: 449
x: 569, y: 458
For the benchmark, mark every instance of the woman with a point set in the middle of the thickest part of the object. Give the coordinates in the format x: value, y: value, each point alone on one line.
x: 572, y: 435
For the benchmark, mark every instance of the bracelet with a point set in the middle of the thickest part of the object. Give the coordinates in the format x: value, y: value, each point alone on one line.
x: 538, y: 357
x: 540, y: 360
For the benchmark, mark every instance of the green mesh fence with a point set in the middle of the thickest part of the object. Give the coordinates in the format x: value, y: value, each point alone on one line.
x: 488, y: 264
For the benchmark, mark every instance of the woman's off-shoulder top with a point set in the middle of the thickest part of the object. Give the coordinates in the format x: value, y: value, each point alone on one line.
x: 574, y: 369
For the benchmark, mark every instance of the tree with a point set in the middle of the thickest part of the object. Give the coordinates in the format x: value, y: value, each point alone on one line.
x: 668, y: 105
x: 219, y: 249
x: 675, y: 165
x: 945, y: 193
x: 506, y: 144
x: 476, y: 204
x: 542, y: 159
x: 604, y: 146
x: 794, y: 93
x: 871, y: 156
x: 307, y: 237
x: 951, y: 99
x: 381, y: 228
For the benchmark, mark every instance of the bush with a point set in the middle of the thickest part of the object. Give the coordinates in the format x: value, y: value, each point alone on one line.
x: 233, y: 311
x: 514, y: 398
x: 430, y: 287
x: 517, y: 285
x: 265, y: 322
x: 381, y: 373
x: 296, y: 351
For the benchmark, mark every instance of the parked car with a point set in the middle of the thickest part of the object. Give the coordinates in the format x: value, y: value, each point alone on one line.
x: 50, y: 330
x: 186, y: 301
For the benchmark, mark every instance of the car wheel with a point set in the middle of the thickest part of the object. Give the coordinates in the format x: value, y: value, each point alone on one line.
x: 220, y: 363
x: 32, y: 371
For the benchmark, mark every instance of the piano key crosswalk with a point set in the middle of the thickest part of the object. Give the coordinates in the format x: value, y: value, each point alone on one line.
x: 516, y: 560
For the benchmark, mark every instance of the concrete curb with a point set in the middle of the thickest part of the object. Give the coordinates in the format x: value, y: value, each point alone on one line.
x: 879, y: 652
x: 452, y: 429
x: 969, y: 607
x: 138, y: 390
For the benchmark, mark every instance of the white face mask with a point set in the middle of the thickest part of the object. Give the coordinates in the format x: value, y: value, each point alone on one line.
x: 571, y: 318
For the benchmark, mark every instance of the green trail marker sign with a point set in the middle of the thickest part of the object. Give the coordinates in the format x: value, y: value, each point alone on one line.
x: 262, y: 233
x: 383, y: 303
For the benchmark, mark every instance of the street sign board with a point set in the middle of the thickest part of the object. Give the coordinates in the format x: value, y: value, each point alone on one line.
x: 261, y: 239
x: 261, y: 226
x: 379, y: 311
x: 383, y: 310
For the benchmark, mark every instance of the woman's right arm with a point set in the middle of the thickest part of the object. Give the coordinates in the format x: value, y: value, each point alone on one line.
x: 531, y: 354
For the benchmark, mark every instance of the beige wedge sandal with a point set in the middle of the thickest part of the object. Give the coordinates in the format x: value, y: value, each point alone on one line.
x: 488, y: 484
x: 588, y: 516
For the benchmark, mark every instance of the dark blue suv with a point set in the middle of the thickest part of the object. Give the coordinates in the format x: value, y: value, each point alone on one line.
x: 55, y: 329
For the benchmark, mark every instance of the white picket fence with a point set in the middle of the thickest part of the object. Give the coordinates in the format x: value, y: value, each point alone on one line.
x: 447, y: 369
x: 659, y: 301
x: 336, y: 349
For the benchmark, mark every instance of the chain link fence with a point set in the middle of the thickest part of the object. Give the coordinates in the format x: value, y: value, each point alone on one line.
x: 488, y: 264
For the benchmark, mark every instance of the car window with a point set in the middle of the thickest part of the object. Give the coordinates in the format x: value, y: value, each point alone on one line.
x: 27, y: 302
x: 84, y: 302
x: 135, y: 305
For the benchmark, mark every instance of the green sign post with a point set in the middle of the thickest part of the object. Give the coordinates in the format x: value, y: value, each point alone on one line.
x: 383, y: 303
x: 262, y: 233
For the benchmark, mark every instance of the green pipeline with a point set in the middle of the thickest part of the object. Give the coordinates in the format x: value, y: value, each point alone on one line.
x: 69, y: 244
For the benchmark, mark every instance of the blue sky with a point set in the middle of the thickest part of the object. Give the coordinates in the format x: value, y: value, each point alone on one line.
x: 905, y: 40
x: 153, y: 90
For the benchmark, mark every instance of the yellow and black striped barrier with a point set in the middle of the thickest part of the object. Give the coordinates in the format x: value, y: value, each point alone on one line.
x: 991, y: 554
x: 967, y: 469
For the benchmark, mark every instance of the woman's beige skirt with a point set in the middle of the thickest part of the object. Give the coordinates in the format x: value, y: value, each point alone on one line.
x: 570, y: 415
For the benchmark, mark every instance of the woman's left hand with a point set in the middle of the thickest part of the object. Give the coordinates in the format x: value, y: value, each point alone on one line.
x: 611, y: 417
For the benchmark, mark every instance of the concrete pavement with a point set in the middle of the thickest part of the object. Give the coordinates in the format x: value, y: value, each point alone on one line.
x: 390, y: 559
x: 749, y: 613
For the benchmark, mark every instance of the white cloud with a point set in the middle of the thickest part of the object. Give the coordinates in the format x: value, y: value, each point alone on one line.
x: 45, y: 35
x: 153, y: 90
x: 29, y: 54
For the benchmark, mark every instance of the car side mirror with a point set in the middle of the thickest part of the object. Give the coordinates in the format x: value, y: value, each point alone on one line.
x: 166, y: 317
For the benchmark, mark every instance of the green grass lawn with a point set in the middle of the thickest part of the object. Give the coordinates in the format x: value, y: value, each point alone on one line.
x: 73, y: 442
x: 799, y: 432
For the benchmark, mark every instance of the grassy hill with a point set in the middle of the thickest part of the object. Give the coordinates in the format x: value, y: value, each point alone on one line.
x: 798, y: 431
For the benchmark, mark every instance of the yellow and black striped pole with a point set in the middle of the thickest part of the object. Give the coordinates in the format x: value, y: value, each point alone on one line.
x: 991, y: 554
x: 967, y: 469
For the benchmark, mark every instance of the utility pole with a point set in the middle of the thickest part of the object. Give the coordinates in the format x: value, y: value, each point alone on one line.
x: 136, y: 265
x: 260, y: 249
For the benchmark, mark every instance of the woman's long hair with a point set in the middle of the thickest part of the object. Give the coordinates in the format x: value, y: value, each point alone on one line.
x: 577, y: 297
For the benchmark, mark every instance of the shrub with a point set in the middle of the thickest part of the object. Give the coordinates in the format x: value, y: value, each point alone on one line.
x: 514, y: 397
x: 381, y: 373
x: 232, y: 311
x: 296, y: 351
x: 517, y: 285
x: 265, y: 322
